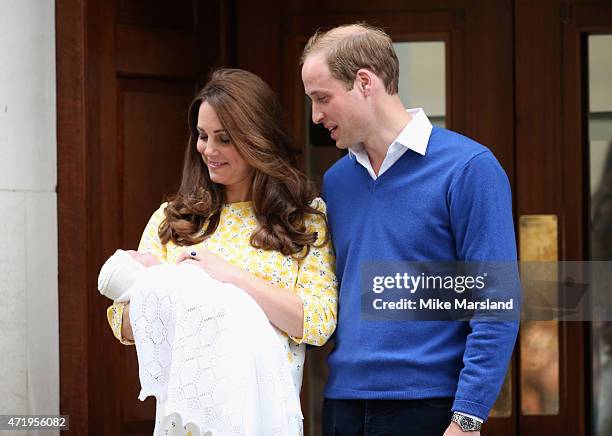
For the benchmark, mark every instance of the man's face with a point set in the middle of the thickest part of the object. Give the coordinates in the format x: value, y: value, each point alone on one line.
x: 342, y: 112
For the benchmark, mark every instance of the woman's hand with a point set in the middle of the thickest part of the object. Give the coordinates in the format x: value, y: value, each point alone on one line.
x: 126, y: 327
x: 283, y: 308
x: 217, y: 267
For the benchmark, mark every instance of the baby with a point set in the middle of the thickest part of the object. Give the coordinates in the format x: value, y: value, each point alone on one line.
x: 120, y: 272
x: 187, y: 325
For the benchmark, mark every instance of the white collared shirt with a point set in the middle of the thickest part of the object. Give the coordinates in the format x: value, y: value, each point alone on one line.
x: 414, y: 136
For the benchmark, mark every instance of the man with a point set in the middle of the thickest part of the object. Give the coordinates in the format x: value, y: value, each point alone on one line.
x: 405, y: 192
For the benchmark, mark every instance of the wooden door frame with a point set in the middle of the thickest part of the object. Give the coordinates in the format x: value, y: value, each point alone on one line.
x: 84, y: 45
x: 551, y: 137
x: 580, y: 19
x: 536, y: 140
x: 87, y: 181
x: 75, y: 222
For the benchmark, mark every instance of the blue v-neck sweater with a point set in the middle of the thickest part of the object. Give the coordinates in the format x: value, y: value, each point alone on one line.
x: 452, y: 204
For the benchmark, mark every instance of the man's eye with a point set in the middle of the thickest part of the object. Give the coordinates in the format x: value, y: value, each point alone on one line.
x: 321, y: 99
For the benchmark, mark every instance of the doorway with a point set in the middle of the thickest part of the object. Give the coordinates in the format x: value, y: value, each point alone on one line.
x: 514, y: 75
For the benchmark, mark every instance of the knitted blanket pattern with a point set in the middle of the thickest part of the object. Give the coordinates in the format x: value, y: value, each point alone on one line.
x: 209, y: 355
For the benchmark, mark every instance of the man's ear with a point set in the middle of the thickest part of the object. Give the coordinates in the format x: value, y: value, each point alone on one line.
x: 364, y: 79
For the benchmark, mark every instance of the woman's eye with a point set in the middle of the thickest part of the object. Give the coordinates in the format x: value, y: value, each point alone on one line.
x: 225, y: 140
x: 203, y: 137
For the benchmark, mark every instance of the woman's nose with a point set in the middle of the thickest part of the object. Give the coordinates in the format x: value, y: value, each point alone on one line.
x: 208, y: 149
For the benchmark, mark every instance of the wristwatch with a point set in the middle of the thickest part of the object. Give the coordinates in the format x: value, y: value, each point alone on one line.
x: 467, y: 423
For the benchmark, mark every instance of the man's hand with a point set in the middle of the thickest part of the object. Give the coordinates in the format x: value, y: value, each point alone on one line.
x: 454, y: 430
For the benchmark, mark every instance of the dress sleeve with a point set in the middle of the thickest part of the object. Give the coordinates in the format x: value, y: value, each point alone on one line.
x: 114, y: 315
x: 149, y: 243
x: 317, y: 284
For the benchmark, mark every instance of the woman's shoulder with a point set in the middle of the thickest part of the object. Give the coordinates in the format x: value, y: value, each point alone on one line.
x: 318, y: 222
x: 159, y: 214
x: 319, y: 204
x: 162, y: 207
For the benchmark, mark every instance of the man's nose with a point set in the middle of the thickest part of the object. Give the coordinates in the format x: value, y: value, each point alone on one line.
x: 317, y: 116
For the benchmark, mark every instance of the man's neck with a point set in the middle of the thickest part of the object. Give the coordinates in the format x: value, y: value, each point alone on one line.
x: 388, y: 124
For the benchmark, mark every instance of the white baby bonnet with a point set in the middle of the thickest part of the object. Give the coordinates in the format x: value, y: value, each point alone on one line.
x: 118, y: 274
x: 209, y: 355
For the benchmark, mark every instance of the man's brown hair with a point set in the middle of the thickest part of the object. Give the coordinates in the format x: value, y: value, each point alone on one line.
x: 350, y: 47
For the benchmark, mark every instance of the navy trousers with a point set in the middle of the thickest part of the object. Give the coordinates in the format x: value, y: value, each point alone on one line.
x: 427, y: 417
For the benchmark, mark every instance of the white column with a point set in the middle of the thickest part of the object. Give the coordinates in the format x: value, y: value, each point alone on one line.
x: 29, y: 340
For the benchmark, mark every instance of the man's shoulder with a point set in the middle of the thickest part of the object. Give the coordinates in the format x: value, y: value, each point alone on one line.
x: 340, y: 167
x: 452, y: 152
x: 455, y: 144
x: 339, y: 178
x: 467, y: 159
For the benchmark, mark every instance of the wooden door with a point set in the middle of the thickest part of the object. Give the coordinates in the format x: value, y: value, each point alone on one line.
x: 552, y: 174
x: 127, y: 71
x: 513, y: 83
x: 479, y: 87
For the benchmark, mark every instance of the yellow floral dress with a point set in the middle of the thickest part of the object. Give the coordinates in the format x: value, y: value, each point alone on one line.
x: 312, y: 278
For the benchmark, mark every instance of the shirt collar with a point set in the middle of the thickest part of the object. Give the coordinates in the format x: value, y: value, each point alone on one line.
x: 414, y: 136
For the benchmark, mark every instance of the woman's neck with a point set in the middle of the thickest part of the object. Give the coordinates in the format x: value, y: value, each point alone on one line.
x: 239, y: 192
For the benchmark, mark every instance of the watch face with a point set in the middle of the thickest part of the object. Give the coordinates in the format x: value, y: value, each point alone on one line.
x: 465, y: 422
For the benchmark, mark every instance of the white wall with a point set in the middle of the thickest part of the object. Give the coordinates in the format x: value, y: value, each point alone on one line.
x: 29, y: 344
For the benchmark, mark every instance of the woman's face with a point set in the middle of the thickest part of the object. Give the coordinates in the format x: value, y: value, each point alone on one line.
x: 225, y: 165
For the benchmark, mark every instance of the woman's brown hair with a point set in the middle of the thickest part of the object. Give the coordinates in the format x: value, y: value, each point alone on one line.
x: 251, y: 115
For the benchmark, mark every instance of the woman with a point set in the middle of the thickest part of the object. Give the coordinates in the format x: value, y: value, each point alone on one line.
x: 246, y: 215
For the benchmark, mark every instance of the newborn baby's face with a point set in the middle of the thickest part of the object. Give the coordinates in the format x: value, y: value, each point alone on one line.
x: 145, y: 259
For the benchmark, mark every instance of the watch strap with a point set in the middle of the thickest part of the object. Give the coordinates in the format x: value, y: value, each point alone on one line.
x: 465, y: 422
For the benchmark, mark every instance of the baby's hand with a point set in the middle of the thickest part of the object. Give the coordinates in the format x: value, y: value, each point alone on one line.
x: 146, y: 259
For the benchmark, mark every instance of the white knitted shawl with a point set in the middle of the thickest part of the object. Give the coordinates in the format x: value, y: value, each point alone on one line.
x: 209, y: 355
